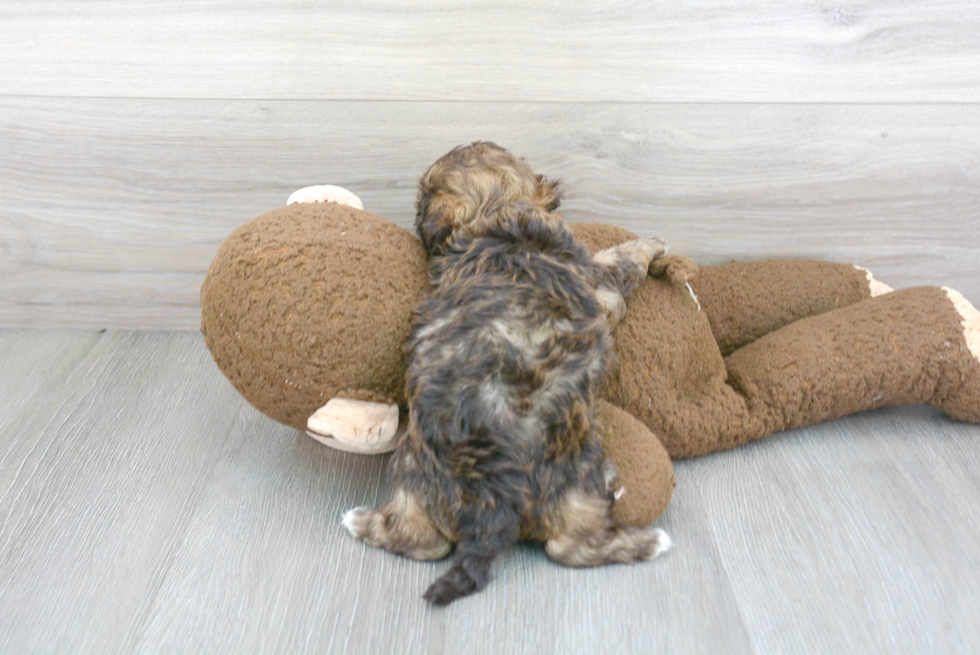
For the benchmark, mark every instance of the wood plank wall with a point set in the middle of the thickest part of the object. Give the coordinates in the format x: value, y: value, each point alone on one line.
x: 135, y: 136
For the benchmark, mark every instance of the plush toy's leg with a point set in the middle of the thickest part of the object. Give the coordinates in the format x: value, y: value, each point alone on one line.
x: 402, y: 526
x: 746, y: 300
x: 917, y: 345
x: 875, y: 286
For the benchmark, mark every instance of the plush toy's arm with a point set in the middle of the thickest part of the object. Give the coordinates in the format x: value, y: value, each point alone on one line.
x: 744, y: 301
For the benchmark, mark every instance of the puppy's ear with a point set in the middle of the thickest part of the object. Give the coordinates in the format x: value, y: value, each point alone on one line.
x: 547, y: 193
x: 434, y: 221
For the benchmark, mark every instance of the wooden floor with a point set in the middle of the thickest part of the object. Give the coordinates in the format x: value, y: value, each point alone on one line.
x: 147, y: 509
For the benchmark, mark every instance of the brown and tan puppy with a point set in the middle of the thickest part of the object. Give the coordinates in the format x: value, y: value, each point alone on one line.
x: 509, y: 353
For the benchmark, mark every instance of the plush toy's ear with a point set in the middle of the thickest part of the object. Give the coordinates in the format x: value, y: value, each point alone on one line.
x: 325, y: 193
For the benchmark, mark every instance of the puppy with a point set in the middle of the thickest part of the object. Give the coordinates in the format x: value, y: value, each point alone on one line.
x: 508, y: 355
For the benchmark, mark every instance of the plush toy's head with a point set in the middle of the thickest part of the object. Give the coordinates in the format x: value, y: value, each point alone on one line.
x: 311, y: 302
x: 314, y: 301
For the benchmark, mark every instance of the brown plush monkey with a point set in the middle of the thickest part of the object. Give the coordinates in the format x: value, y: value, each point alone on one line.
x: 307, y: 309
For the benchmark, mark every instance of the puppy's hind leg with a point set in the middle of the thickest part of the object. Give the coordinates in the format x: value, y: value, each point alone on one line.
x: 584, y: 535
x: 402, y: 526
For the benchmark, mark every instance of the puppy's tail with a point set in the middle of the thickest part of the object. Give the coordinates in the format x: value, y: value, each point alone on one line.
x: 496, y: 531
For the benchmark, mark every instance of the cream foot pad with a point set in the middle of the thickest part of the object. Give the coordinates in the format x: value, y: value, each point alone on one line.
x: 357, y: 426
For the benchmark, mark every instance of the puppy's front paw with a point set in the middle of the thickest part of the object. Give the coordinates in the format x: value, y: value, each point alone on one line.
x: 356, y: 521
x: 644, y: 251
x: 325, y: 193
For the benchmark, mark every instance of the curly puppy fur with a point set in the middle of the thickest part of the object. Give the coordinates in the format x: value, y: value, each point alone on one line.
x: 508, y: 355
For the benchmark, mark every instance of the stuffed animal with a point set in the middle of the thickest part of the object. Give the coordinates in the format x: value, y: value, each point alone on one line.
x: 307, y: 309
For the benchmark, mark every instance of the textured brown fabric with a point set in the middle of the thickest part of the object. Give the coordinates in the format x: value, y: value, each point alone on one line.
x: 643, y: 467
x: 818, y: 347
x: 596, y: 237
x: 901, y: 348
x: 746, y: 300
x: 670, y: 374
x: 313, y: 301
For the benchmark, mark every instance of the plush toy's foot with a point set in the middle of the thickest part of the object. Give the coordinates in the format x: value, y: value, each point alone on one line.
x: 963, y: 402
x: 325, y: 193
x: 875, y: 287
x: 356, y: 426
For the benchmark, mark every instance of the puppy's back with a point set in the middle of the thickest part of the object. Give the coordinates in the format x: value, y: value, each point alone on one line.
x: 507, y: 356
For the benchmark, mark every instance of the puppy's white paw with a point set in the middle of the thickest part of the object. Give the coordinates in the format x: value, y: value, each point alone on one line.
x: 325, y: 193
x: 355, y: 520
x: 661, y: 543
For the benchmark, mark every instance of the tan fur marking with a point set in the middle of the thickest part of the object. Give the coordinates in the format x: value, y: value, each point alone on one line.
x: 612, y: 304
x: 644, y: 251
x: 463, y: 182
x: 402, y: 526
x: 586, y: 536
x: 607, y: 257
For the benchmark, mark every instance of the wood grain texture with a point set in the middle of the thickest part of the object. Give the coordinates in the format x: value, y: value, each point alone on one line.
x: 147, y: 509
x: 266, y: 567
x: 111, y: 210
x: 546, y: 50
x: 103, y: 459
x: 856, y: 535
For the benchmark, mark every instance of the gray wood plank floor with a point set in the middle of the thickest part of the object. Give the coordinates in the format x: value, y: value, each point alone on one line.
x: 146, y: 508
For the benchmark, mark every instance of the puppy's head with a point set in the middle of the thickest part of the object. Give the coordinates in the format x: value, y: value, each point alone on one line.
x: 472, y: 181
